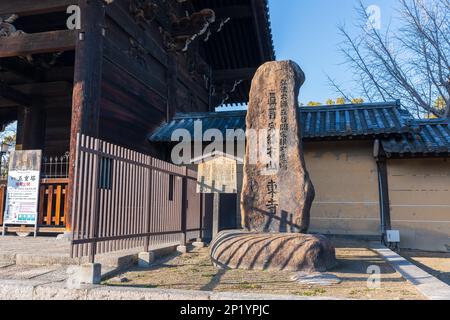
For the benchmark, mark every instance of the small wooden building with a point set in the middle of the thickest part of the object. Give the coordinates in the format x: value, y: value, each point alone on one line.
x: 374, y: 168
x: 131, y: 65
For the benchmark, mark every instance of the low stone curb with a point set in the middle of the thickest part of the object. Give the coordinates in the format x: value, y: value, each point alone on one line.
x: 428, y: 285
x: 7, y: 258
x: 34, y: 290
x: 116, y: 259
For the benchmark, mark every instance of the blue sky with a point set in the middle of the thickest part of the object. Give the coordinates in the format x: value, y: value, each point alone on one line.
x: 306, y: 31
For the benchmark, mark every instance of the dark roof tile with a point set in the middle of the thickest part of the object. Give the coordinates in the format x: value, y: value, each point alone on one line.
x: 433, y: 137
x: 317, y: 122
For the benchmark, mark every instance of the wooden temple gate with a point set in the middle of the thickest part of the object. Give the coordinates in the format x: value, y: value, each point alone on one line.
x: 120, y: 76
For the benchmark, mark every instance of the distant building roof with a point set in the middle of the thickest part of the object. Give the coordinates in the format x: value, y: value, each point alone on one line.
x: 214, y: 155
x: 432, y: 138
x: 318, y: 123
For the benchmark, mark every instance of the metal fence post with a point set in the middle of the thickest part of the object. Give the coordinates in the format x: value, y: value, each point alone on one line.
x: 184, y: 206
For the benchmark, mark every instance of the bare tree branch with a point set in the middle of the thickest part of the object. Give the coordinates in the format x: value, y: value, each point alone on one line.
x: 411, y: 64
x: 337, y: 87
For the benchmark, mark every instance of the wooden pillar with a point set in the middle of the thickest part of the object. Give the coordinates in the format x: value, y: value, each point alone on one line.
x: 216, y: 215
x: 87, y: 82
x: 383, y: 187
x: 172, y: 79
x: 240, y: 178
x: 30, y: 128
x: 385, y: 210
x: 23, y: 119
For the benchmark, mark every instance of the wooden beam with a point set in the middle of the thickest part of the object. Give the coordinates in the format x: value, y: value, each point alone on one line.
x: 19, y: 68
x: 44, y: 42
x: 33, y: 7
x: 234, y: 74
x: 55, y: 88
x: 5, y: 103
x: 14, y: 95
x: 65, y: 73
x: 16, y: 74
x: 233, y: 12
x: 54, y: 94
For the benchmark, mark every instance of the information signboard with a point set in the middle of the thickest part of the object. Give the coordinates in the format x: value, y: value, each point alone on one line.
x: 217, y: 175
x: 22, y: 194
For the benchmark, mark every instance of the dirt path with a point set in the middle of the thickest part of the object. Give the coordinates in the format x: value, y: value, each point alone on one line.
x: 194, y: 271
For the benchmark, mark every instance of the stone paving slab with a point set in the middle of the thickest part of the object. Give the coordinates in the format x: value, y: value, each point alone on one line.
x: 47, y: 259
x: 39, y: 290
x: 34, y: 272
x: 46, y: 273
x: 30, y: 245
x: 17, y: 290
x: 428, y: 285
x: 45, y: 251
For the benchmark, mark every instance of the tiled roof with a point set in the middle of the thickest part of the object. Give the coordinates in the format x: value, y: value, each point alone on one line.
x: 214, y: 120
x: 335, y: 122
x: 433, y: 137
x: 353, y: 120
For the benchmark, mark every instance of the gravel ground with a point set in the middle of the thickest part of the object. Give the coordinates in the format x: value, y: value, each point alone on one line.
x: 45, y: 273
x: 435, y: 263
x: 194, y: 271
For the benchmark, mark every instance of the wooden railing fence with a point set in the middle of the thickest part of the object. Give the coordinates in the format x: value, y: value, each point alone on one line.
x: 125, y: 199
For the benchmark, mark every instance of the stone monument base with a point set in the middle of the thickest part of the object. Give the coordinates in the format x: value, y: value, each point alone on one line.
x: 272, y: 251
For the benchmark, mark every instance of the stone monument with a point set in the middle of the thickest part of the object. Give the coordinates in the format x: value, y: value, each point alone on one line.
x: 277, y: 192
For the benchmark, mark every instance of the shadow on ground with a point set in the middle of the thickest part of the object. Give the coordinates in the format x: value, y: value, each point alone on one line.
x: 195, y: 271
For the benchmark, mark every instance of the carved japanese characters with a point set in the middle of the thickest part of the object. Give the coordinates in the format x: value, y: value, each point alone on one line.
x: 277, y: 192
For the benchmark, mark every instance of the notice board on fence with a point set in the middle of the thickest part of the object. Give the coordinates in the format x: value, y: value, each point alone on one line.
x: 217, y: 175
x: 22, y: 194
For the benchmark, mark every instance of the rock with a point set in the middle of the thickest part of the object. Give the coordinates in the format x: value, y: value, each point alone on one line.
x: 273, y: 251
x: 318, y: 279
x: 277, y: 192
x: 119, y: 279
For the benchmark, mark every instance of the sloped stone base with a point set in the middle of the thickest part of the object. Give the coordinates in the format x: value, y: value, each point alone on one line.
x: 272, y: 251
